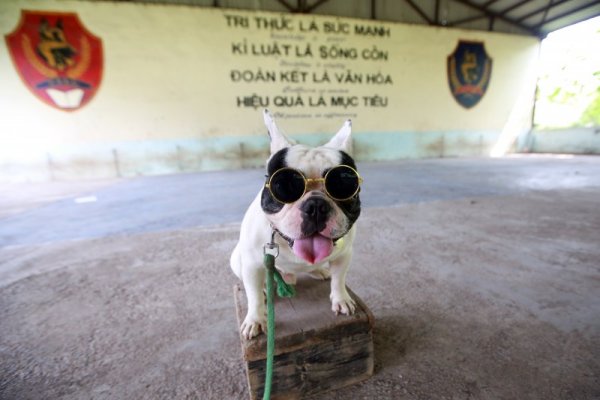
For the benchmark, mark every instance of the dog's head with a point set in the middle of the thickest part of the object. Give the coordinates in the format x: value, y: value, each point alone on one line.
x: 53, y: 46
x: 311, y: 195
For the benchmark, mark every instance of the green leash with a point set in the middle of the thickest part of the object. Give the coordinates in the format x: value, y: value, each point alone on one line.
x: 271, y: 251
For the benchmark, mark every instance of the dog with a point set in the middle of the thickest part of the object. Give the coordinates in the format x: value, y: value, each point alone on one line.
x: 309, y: 205
x: 53, y: 46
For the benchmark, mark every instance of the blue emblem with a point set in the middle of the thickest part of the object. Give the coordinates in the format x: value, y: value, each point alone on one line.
x: 469, y: 71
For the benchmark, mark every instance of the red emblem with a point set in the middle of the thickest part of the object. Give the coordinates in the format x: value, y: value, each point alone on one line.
x: 58, y: 59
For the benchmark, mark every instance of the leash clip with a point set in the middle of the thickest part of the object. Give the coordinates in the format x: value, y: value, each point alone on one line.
x: 271, y: 248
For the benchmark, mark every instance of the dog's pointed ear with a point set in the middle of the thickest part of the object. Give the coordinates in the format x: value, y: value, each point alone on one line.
x: 343, y: 139
x: 278, y: 140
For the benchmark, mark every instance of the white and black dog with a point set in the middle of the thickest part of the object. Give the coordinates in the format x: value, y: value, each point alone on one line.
x: 311, y: 201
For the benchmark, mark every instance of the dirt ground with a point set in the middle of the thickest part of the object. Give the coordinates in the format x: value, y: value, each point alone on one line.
x: 491, y: 297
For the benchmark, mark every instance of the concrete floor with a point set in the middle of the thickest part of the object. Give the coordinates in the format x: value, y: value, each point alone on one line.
x: 483, y: 276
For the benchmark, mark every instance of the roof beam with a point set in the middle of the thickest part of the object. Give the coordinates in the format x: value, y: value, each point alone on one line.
x: 301, y: 6
x: 467, y: 19
x: 573, y: 22
x: 546, y: 8
x: 318, y: 3
x: 419, y: 11
x: 496, y: 15
x: 545, y: 13
x: 567, y: 13
x: 489, y: 3
x: 513, y: 7
x: 287, y: 5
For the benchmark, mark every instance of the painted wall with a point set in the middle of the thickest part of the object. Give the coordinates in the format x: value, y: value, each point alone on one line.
x: 183, y: 90
x: 569, y: 140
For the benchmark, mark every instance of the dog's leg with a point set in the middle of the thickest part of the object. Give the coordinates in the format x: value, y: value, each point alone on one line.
x: 341, y: 302
x: 253, y: 277
x: 289, y: 278
x: 320, y: 273
x: 235, y: 261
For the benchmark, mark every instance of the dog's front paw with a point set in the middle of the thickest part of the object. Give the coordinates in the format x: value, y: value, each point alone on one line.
x: 252, y: 326
x: 342, y: 303
x: 321, y: 274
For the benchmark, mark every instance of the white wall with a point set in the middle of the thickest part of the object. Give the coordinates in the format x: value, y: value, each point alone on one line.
x: 167, y: 101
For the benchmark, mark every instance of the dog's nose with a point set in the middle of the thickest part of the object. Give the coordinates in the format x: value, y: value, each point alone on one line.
x: 315, y: 212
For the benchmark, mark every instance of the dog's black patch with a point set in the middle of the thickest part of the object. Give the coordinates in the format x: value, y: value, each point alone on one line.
x: 351, y: 208
x: 347, y: 160
x: 267, y: 202
x: 277, y: 161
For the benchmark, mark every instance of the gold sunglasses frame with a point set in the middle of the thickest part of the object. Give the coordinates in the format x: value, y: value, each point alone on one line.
x: 308, y: 181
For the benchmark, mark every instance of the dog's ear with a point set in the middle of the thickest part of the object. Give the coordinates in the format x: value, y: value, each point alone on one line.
x: 278, y: 140
x: 343, y: 139
x: 43, y: 25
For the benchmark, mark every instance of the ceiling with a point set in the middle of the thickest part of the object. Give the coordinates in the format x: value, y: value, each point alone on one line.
x: 528, y: 17
x: 535, y: 17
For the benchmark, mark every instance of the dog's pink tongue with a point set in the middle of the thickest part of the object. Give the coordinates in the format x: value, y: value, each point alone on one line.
x: 313, y: 248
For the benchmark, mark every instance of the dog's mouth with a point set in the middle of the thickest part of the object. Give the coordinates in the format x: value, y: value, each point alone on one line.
x: 314, y: 248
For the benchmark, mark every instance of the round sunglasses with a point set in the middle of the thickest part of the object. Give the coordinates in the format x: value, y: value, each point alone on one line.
x: 288, y: 185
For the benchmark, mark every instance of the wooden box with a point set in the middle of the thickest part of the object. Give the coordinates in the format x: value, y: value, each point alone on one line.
x: 315, y: 350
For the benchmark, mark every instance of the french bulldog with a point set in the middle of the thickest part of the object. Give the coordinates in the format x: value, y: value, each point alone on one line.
x: 308, y: 204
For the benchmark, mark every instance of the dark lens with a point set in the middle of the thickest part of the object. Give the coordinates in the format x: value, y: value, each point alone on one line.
x: 287, y: 185
x: 342, y: 182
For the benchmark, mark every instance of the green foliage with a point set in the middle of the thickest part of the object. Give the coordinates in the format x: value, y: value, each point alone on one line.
x: 568, y: 92
x: 591, y: 115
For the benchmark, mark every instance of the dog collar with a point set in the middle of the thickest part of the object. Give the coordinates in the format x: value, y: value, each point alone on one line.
x: 288, y: 239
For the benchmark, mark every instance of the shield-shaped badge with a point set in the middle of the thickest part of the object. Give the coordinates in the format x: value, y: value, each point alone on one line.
x: 59, y: 60
x: 469, y: 71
